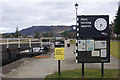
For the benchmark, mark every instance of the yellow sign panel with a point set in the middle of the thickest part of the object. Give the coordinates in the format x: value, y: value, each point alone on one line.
x: 59, y: 53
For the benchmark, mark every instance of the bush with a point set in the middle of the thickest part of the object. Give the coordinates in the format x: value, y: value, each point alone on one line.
x: 116, y: 38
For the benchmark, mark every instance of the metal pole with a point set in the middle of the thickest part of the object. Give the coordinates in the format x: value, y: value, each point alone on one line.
x: 76, y: 18
x: 76, y: 7
x: 82, y: 69
x: 58, y: 67
x: 102, y: 69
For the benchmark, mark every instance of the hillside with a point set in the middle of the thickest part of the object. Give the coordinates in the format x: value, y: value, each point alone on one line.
x: 56, y: 30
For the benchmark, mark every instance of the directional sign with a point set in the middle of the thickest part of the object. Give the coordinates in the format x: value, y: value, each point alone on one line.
x: 59, y: 53
x: 93, y: 39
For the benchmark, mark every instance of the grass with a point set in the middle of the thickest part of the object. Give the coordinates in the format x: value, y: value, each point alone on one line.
x: 114, y: 48
x: 73, y: 41
x: 89, y: 73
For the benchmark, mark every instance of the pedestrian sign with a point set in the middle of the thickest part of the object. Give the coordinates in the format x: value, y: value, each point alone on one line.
x: 59, y: 53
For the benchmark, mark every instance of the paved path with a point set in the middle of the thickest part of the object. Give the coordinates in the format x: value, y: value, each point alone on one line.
x: 40, y: 67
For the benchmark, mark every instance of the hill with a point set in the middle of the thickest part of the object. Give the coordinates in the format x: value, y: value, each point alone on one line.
x: 56, y: 30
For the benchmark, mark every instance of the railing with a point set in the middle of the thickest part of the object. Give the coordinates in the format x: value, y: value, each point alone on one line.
x: 21, y: 44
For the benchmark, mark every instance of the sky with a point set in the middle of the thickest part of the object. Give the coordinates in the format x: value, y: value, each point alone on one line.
x: 27, y: 13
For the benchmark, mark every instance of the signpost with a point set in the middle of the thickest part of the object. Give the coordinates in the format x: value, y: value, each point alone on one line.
x: 92, y: 40
x: 59, y: 53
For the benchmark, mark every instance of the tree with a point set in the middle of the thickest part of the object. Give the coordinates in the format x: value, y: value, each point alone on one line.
x: 48, y: 35
x: 36, y: 34
x: 17, y: 34
x: 65, y: 33
x: 117, y: 22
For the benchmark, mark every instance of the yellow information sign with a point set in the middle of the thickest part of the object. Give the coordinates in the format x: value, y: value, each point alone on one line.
x: 59, y: 53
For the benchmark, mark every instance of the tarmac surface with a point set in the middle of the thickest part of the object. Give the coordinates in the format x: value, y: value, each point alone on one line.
x: 41, y: 67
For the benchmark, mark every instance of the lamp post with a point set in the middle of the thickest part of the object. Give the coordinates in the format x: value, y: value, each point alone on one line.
x: 76, y: 8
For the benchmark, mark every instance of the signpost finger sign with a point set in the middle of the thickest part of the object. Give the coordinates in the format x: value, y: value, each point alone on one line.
x: 59, y: 53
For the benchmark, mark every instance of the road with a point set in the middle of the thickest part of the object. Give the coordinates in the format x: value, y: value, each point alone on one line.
x: 41, y: 67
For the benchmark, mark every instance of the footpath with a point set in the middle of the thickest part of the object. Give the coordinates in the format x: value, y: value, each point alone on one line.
x: 41, y: 67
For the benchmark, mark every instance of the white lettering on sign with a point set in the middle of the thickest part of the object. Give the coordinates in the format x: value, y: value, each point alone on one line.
x: 85, y: 22
x: 84, y: 19
x: 85, y: 26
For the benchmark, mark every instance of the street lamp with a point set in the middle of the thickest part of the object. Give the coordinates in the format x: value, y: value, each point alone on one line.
x: 76, y: 8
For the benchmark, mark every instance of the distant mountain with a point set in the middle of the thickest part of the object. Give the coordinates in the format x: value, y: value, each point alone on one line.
x: 56, y: 30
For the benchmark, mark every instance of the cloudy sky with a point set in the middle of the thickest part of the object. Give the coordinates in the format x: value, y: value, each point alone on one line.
x: 26, y: 13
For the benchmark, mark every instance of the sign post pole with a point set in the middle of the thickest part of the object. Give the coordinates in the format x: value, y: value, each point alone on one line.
x: 82, y: 69
x: 102, y: 70
x: 59, y: 55
x: 93, y: 40
x: 59, y: 67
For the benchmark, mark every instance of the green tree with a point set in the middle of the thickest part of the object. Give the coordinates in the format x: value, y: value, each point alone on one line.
x: 17, y: 34
x: 65, y: 33
x: 36, y: 34
x: 7, y: 36
x: 117, y: 22
x: 45, y: 34
x: 48, y: 35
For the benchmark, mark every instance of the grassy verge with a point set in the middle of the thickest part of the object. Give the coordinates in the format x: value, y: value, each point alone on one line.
x: 114, y: 48
x: 73, y: 41
x: 89, y: 73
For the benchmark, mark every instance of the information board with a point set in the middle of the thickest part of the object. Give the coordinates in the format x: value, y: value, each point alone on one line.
x: 81, y: 45
x: 90, y: 45
x: 100, y: 44
x: 59, y: 53
x: 93, y: 39
x: 95, y: 53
